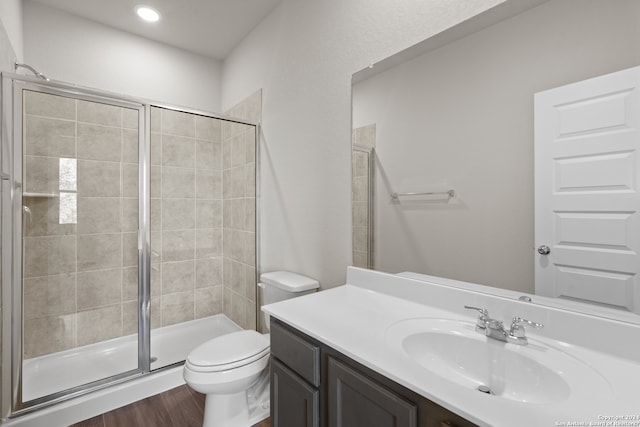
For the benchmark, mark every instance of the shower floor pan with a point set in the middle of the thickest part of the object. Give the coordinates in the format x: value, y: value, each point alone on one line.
x: 52, y: 373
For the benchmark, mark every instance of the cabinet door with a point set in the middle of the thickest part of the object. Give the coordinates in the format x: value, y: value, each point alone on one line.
x: 294, y: 403
x: 354, y: 400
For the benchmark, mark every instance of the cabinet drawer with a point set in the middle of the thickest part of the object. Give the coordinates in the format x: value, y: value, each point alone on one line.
x: 300, y: 355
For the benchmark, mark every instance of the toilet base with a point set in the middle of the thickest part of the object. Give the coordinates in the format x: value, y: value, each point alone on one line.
x: 229, y: 410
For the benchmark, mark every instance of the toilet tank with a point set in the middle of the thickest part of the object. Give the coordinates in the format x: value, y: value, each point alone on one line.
x: 282, y: 285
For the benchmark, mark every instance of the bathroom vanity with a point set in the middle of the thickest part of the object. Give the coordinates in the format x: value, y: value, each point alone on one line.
x: 387, y: 350
x: 311, y: 382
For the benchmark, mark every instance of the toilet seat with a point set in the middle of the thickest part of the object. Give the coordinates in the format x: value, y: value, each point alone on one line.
x: 228, y: 351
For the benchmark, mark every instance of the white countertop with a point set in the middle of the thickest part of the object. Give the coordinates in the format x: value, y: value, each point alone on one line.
x: 354, y: 320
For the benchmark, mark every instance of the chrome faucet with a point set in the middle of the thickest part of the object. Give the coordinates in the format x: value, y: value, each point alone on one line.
x: 493, y: 328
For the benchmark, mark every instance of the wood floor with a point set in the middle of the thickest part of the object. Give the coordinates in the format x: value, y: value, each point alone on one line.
x: 178, y: 407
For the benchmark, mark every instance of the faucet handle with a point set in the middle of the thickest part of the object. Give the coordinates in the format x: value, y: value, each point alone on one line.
x: 483, y: 311
x: 481, y: 324
x: 517, y: 333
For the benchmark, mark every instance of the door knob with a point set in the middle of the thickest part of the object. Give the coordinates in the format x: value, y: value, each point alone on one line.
x: 544, y: 250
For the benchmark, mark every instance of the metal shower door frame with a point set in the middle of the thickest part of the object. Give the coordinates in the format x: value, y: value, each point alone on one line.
x: 12, y: 280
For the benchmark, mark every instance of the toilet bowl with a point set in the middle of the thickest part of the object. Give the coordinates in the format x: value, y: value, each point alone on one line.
x: 226, y: 368
x: 223, y: 369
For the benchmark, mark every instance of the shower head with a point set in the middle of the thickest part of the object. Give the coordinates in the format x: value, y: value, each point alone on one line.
x: 33, y: 70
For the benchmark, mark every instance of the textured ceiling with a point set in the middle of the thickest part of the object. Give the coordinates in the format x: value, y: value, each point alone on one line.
x: 208, y: 27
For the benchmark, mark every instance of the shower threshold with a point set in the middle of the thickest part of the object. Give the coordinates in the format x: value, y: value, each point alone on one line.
x: 56, y: 372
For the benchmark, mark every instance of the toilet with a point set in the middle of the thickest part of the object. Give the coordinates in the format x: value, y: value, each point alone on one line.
x: 231, y: 370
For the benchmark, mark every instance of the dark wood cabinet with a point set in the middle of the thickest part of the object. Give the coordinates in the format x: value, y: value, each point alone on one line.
x: 314, y: 385
x: 355, y: 400
x: 294, y: 402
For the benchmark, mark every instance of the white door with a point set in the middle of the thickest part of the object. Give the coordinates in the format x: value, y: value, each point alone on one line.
x: 586, y: 191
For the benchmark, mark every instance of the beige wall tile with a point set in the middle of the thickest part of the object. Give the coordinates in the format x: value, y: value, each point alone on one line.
x: 249, y: 249
x: 49, y: 255
x: 238, y: 150
x: 100, y: 215
x: 249, y: 214
x: 97, y: 142
x: 49, y: 296
x: 360, y: 235
x: 99, y: 251
x: 130, y: 118
x: 129, y: 317
x: 250, y: 285
x: 177, y: 308
x: 208, y: 272
x: 208, y: 184
x: 208, y: 213
x: 49, y: 137
x: 249, y: 180
x: 205, y: 155
x: 99, y: 324
x: 360, y: 189
x: 130, y: 284
x: 238, y: 309
x: 237, y: 278
x: 46, y: 105
x: 41, y: 175
x: 226, y: 184
x: 156, y: 148
x: 178, y: 214
x: 208, y: 128
x: 98, y: 288
x: 208, y: 301
x: 178, y: 151
x: 156, y: 119
x: 156, y: 181
x: 250, y: 315
x: 178, y: 183
x: 250, y: 145
x: 359, y: 214
x: 209, y: 243
x: 178, y: 245
x: 46, y: 335
x: 178, y: 277
x: 178, y: 123
x: 129, y: 249
x: 360, y: 259
x: 44, y: 219
x: 237, y: 182
x: 97, y: 113
x: 226, y: 153
x: 101, y: 179
x: 130, y: 143
x: 130, y: 214
x: 227, y: 213
x: 130, y: 179
x: 156, y: 214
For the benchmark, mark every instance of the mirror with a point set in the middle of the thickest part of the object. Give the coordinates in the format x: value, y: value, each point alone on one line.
x: 456, y: 112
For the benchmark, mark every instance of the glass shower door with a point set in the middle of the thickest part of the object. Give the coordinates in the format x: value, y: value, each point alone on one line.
x: 79, y: 222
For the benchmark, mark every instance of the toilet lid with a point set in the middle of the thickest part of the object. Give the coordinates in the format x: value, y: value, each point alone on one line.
x: 229, y: 351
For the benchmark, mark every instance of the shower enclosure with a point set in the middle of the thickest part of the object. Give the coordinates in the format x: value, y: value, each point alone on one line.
x: 128, y: 237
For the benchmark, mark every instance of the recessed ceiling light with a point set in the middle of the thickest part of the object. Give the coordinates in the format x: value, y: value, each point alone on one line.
x: 147, y: 13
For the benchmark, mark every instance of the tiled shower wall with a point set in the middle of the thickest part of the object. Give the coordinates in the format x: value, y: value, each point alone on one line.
x: 80, y: 283
x: 239, y: 177
x: 186, y: 217
x: 362, y: 237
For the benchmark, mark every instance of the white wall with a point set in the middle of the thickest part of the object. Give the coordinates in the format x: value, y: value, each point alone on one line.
x: 72, y: 49
x: 303, y: 56
x: 463, y: 115
x: 11, y: 17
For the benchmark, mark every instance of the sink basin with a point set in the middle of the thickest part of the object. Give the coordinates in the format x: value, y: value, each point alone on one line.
x: 451, y: 349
